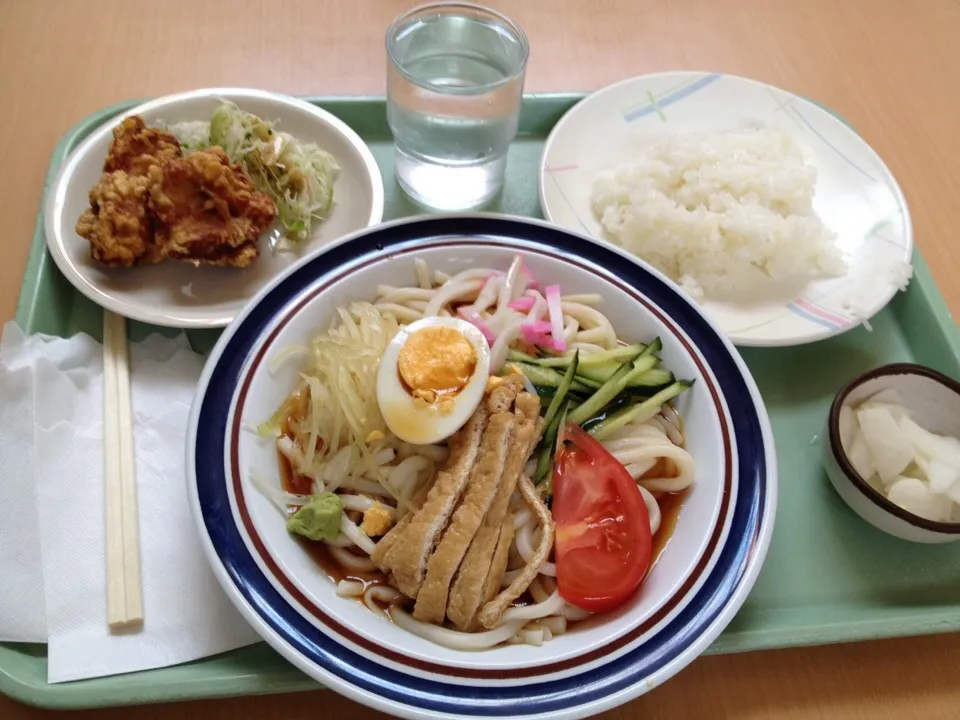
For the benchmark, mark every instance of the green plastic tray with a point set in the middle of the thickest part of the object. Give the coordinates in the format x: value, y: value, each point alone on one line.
x: 829, y: 577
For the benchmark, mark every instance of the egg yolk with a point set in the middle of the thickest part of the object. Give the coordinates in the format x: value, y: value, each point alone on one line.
x: 435, y: 362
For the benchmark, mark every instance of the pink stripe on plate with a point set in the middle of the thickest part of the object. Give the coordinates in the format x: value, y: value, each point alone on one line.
x: 820, y: 311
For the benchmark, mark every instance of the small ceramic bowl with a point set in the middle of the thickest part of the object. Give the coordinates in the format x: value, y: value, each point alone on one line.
x: 934, y: 401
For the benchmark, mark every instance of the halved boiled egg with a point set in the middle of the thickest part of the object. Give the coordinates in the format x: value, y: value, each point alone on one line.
x: 432, y: 378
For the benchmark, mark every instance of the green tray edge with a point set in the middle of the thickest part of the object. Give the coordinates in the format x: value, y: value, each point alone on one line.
x: 922, y: 307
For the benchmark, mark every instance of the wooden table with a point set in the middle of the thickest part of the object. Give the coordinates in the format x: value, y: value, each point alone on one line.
x: 892, y: 67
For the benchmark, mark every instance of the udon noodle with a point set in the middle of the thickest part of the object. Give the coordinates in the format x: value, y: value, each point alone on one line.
x: 374, y: 473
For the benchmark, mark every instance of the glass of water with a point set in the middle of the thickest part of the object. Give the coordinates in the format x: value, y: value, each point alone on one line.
x: 454, y: 85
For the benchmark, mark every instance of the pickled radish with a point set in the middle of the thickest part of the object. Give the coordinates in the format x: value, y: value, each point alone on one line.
x: 914, y: 496
x: 848, y: 425
x: 940, y: 475
x: 940, y: 447
x: 859, y: 455
x: 891, y: 451
x: 914, y: 468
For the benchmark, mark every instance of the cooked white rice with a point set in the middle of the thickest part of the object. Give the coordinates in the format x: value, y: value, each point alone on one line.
x: 720, y: 213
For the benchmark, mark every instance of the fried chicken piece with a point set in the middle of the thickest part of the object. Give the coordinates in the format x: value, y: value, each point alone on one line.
x: 208, y: 209
x: 152, y: 203
x: 118, y: 225
x: 136, y: 148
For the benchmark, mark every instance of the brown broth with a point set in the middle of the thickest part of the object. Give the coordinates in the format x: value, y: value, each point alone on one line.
x: 321, y: 555
x: 290, y: 480
x: 319, y: 552
x: 670, y: 506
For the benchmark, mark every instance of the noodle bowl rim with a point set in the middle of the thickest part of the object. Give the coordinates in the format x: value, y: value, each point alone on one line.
x: 668, y: 606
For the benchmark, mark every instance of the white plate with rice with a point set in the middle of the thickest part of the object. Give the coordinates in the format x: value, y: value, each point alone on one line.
x: 770, y: 211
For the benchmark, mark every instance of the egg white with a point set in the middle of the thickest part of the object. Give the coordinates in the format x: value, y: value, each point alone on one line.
x: 424, y: 425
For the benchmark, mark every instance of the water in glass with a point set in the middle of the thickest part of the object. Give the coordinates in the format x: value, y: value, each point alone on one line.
x: 455, y: 81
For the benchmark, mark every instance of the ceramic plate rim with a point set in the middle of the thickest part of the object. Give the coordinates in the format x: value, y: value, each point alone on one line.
x: 749, y: 550
x: 56, y: 244
x: 888, y: 177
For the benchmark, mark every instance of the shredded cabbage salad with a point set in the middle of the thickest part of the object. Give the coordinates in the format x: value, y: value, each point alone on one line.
x: 299, y: 176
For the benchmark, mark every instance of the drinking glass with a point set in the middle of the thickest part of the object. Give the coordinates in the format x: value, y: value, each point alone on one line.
x: 454, y: 86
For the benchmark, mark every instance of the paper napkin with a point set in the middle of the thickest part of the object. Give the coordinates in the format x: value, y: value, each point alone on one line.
x: 52, y: 510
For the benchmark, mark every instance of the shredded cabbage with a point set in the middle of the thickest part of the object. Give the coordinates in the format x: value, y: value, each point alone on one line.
x: 194, y: 135
x: 342, y: 432
x: 298, y: 176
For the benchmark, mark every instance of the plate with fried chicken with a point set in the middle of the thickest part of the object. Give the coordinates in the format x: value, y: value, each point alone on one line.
x: 180, y: 210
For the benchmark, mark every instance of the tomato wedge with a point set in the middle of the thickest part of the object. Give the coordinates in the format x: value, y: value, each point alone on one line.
x: 603, y: 543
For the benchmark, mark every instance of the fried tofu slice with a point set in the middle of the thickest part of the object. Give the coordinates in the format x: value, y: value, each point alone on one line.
x: 405, y: 550
x: 498, y: 565
x: 478, y: 569
x: 489, y: 616
x: 486, y: 478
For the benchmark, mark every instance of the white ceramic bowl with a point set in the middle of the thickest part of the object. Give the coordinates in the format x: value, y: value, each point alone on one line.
x: 702, y: 422
x: 178, y: 294
x: 934, y: 402
x: 702, y: 577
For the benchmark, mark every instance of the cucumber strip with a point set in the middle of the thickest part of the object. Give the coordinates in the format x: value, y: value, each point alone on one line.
x: 518, y: 356
x: 558, y: 362
x: 641, y: 412
x: 591, y: 385
x: 548, y: 491
x: 563, y: 390
x: 650, y: 377
x: 547, y: 392
x: 615, y: 357
x: 548, y: 377
x: 654, y: 347
x: 573, y: 402
x: 536, y: 374
x: 607, y: 392
x: 544, y: 462
x: 620, y: 402
x: 598, y: 373
x: 602, y: 373
x: 588, y: 383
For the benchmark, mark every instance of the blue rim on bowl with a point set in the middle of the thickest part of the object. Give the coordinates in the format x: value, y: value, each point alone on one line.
x: 570, y: 692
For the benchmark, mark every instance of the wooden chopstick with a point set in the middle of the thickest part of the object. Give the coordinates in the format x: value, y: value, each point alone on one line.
x: 124, y: 592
